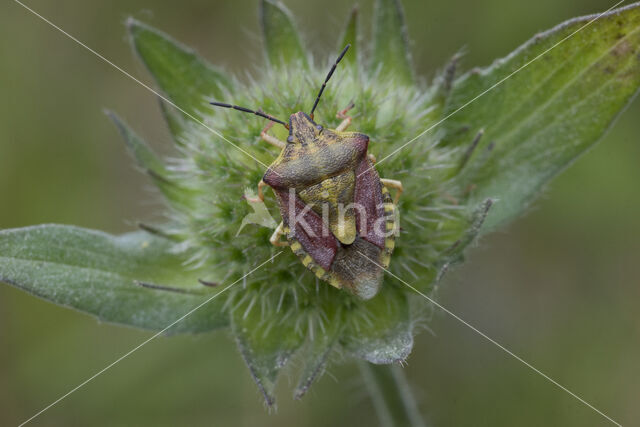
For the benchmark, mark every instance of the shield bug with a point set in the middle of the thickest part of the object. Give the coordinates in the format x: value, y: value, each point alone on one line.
x: 336, y: 210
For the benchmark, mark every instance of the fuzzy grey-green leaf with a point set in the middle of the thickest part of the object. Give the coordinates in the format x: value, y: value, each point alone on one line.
x: 151, y: 164
x: 266, y: 341
x: 176, y: 121
x: 143, y: 154
x: 391, y: 43
x: 97, y: 273
x: 186, y: 79
x: 282, y: 40
x: 318, y: 349
x: 473, y: 229
x: 380, y: 330
x: 555, y: 97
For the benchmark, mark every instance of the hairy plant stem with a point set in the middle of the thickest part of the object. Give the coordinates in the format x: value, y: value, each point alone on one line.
x: 391, y: 394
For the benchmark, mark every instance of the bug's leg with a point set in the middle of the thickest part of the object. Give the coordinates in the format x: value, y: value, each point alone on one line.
x: 395, y: 184
x: 271, y: 139
x: 372, y: 158
x: 275, y: 237
x: 342, y: 114
x: 260, y: 197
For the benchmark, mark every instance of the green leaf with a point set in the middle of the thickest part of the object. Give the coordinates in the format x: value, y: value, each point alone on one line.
x: 100, y: 274
x: 350, y: 35
x: 266, y: 341
x: 151, y: 164
x: 176, y: 122
x: 320, y: 345
x: 145, y: 157
x: 391, y: 42
x: 471, y: 229
x: 379, y: 330
x: 181, y: 74
x: 543, y: 117
x: 442, y: 84
x: 474, y: 228
x: 282, y: 41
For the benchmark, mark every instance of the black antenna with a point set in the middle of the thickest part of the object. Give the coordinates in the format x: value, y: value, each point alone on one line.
x: 333, y: 68
x: 246, y: 110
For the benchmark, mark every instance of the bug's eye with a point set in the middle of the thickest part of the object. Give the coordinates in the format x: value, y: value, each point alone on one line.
x: 320, y: 128
x: 290, y: 139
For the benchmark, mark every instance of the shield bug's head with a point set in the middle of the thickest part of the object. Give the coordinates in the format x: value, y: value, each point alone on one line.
x: 301, y: 126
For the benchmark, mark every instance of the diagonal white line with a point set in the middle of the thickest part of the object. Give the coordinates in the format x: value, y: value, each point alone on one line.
x: 497, y: 344
x: 156, y: 335
x: 150, y: 89
x: 448, y: 116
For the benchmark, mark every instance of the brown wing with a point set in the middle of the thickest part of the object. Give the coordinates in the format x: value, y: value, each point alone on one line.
x: 308, y: 229
x: 368, y: 197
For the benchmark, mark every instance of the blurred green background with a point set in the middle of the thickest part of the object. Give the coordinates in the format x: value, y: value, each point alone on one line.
x: 559, y: 287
